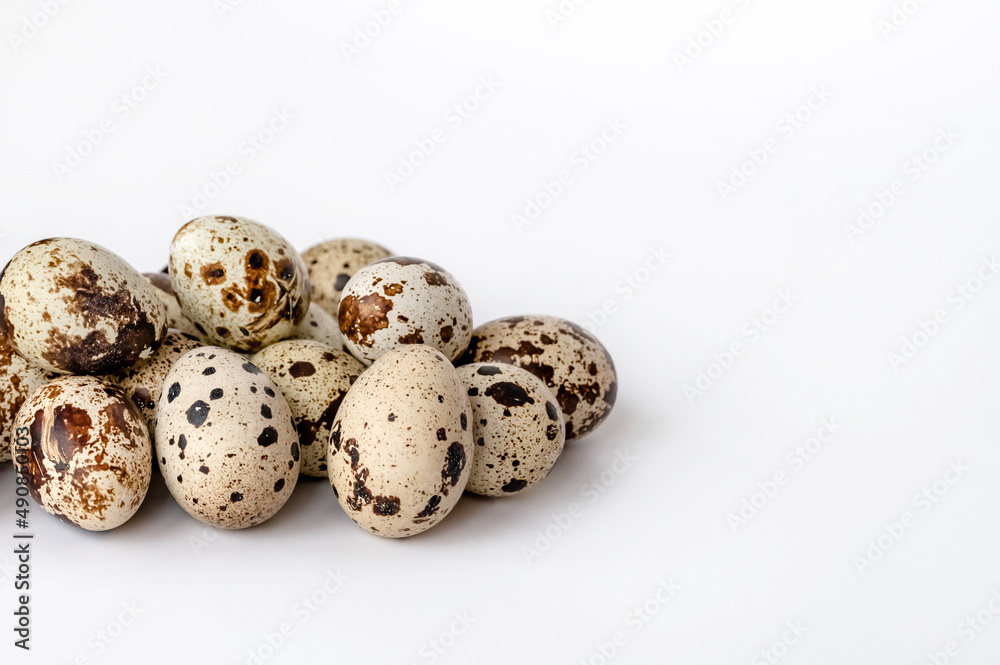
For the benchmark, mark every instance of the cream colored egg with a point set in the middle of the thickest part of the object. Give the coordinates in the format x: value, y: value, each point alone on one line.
x: 517, y: 426
x: 225, y: 440
x: 165, y: 292
x: 401, y: 446
x: 90, y: 457
x: 241, y: 284
x: 314, y: 378
x: 321, y: 327
x: 74, y: 307
x: 402, y: 300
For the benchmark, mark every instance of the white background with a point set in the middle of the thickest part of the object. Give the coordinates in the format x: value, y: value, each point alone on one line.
x: 205, y: 596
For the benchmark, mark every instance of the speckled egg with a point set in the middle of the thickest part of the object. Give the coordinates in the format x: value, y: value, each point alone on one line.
x: 165, y: 292
x: 332, y: 263
x: 314, y: 378
x: 240, y: 283
x: 18, y: 379
x: 401, y: 446
x: 90, y: 457
x: 574, y: 365
x: 74, y: 307
x: 225, y: 439
x: 320, y: 327
x: 143, y: 383
x: 402, y: 300
x: 516, y: 424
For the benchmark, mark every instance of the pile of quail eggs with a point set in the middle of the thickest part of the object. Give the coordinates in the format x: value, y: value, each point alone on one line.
x: 244, y: 365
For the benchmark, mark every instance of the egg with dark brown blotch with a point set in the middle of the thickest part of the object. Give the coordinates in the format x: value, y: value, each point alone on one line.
x: 142, y: 384
x: 165, y: 292
x: 241, y: 284
x: 225, y: 439
x: 572, y: 363
x: 333, y: 262
x: 89, y: 461
x: 18, y: 379
x: 320, y: 327
x: 73, y: 307
x: 402, y: 300
x: 401, y: 447
x: 314, y: 378
x: 517, y: 426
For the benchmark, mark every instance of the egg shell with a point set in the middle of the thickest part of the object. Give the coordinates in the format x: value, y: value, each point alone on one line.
x: 18, y: 379
x: 165, y: 292
x: 403, y: 300
x: 401, y: 447
x: 314, y: 378
x: 333, y: 262
x: 225, y: 440
x: 90, y: 457
x: 517, y: 426
x: 241, y: 284
x: 74, y: 307
x: 321, y: 327
x: 574, y: 365
x: 142, y: 384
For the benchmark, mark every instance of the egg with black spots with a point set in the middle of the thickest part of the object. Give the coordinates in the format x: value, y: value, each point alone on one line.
x: 517, y: 426
x: 314, y: 378
x: 225, y: 439
x: 401, y: 448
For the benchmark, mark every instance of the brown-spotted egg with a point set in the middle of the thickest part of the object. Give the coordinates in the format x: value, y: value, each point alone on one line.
x: 574, y: 365
x: 403, y: 300
x: 74, y: 307
x: 18, y: 379
x: 90, y: 456
x: 241, y: 284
